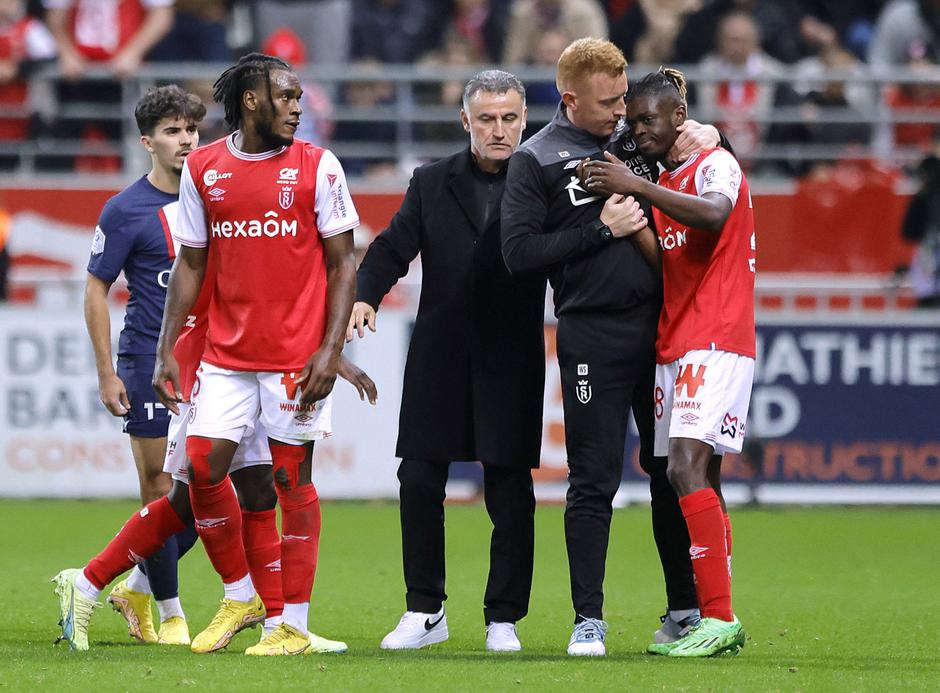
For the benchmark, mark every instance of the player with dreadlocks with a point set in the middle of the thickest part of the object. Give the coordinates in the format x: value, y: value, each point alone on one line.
x: 274, y: 217
x: 705, y: 343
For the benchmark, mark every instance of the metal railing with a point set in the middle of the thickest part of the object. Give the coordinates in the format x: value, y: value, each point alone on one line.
x: 415, y: 118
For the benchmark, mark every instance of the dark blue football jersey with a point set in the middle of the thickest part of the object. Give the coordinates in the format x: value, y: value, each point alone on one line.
x: 134, y: 234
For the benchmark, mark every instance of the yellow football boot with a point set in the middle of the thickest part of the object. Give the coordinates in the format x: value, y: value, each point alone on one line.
x: 283, y: 640
x: 174, y: 631
x: 231, y: 618
x: 135, y: 608
x: 75, y: 610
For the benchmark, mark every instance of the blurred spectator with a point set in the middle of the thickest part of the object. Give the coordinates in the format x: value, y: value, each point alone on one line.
x: 392, y: 31
x: 25, y: 43
x: 648, y: 32
x: 316, y: 123
x: 906, y: 30
x: 530, y: 19
x: 776, y: 21
x: 548, y: 50
x: 362, y: 98
x: 908, y: 34
x: 853, y: 22
x: 482, y: 23
x: 324, y: 26
x: 198, y: 33
x: 740, y: 107
x: 117, y: 32
x: 833, y: 110
x: 921, y: 226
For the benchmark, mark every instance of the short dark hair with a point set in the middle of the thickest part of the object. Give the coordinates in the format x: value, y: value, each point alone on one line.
x: 493, y: 82
x: 246, y: 74
x: 167, y: 102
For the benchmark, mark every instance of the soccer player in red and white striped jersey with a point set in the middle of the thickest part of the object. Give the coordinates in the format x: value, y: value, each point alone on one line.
x: 275, y: 215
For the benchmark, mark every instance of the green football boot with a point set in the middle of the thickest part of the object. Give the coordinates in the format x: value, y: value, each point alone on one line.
x: 709, y: 638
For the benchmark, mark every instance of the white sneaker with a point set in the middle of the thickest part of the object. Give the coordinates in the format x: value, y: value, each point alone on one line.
x: 502, y: 637
x: 587, y: 639
x: 417, y: 629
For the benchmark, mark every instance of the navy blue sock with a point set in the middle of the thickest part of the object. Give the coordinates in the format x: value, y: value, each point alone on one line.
x: 185, y: 540
x: 160, y: 569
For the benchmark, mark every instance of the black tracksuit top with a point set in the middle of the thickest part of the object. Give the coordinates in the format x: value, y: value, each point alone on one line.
x: 549, y: 221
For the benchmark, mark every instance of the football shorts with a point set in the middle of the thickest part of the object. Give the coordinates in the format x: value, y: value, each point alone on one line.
x: 252, y: 450
x: 147, y: 418
x: 703, y: 395
x: 226, y: 404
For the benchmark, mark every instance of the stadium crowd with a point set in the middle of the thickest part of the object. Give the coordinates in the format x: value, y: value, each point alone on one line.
x: 750, y: 41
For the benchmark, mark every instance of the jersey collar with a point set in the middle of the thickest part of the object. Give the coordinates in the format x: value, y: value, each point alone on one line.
x: 245, y: 156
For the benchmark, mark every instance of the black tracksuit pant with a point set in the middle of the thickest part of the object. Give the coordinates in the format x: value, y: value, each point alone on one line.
x: 510, y: 502
x: 607, y: 363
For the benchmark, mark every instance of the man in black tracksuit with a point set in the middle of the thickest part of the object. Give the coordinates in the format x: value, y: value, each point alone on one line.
x: 607, y: 301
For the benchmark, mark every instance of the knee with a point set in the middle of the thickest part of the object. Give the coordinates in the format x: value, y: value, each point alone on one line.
x: 679, y: 471
x: 154, y: 485
x: 198, y: 467
x: 421, y: 478
x: 255, y: 488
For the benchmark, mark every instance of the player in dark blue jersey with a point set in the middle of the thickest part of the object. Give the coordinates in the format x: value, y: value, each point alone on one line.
x: 134, y: 236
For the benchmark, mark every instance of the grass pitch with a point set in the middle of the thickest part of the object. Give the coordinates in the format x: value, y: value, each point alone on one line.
x: 832, y: 599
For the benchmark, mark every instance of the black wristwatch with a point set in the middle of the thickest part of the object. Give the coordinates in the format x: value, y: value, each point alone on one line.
x: 603, y: 230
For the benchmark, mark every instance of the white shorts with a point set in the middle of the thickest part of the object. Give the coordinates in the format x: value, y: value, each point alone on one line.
x: 227, y: 404
x: 704, y: 396
x: 253, y: 449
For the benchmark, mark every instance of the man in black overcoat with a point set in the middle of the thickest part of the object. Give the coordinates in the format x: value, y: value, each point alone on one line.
x: 474, y: 378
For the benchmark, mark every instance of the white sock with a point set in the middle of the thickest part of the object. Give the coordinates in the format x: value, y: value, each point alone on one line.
x: 169, y: 608
x: 270, y: 624
x: 137, y: 581
x: 295, y: 615
x: 241, y: 590
x: 83, y: 585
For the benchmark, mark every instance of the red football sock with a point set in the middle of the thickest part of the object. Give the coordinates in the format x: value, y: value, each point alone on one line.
x: 728, y: 539
x: 300, y: 540
x: 300, y: 523
x: 218, y: 517
x: 140, y: 537
x: 263, y: 550
x: 702, y: 511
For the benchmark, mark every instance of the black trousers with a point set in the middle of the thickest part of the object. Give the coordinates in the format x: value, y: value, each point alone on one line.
x: 607, y: 364
x: 510, y: 502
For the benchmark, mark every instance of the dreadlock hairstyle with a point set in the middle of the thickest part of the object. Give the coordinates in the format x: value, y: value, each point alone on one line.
x: 249, y: 72
x: 664, y: 80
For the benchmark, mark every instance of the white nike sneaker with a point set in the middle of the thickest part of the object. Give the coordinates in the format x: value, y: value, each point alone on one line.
x: 587, y: 639
x: 502, y: 637
x: 415, y: 630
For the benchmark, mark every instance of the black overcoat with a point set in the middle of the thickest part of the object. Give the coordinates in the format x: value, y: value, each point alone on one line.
x: 475, y: 374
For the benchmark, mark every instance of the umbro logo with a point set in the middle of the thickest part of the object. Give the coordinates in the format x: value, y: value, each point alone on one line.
x: 294, y: 537
x: 211, y: 522
x: 274, y: 566
x: 216, y: 194
x: 572, y: 164
x: 697, y: 551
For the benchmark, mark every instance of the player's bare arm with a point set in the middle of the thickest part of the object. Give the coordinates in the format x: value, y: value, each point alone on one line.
x: 646, y: 242
x: 708, y: 212
x: 359, y: 379
x: 319, y: 374
x: 186, y: 278
x: 362, y: 315
x: 98, y: 321
x: 694, y: 137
